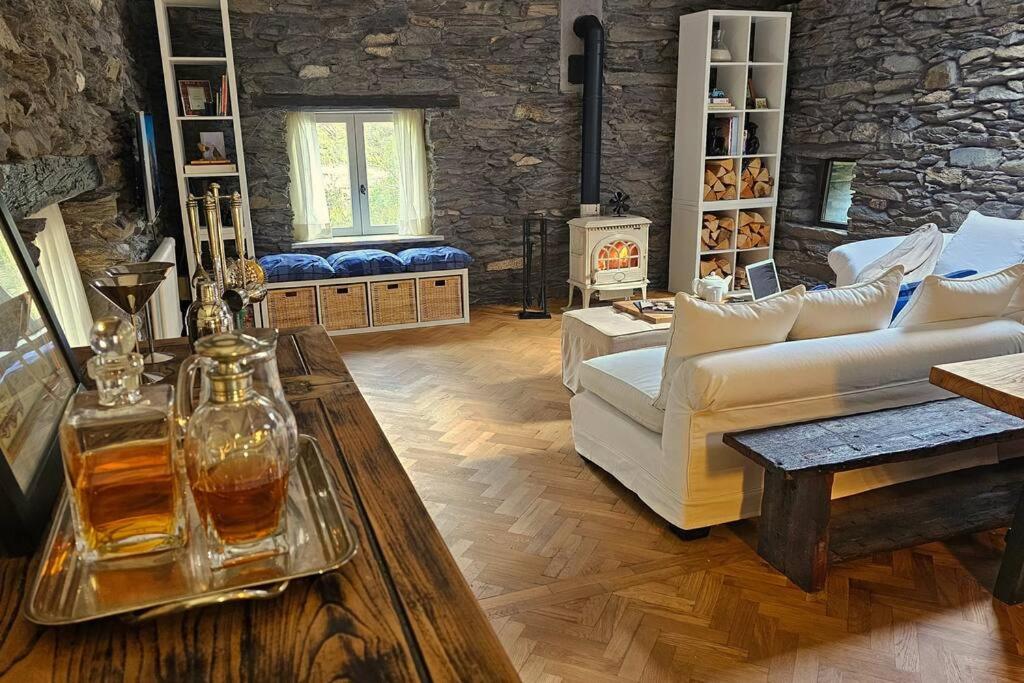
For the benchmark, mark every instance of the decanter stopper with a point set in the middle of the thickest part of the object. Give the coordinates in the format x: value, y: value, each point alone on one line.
x: 116, y: 368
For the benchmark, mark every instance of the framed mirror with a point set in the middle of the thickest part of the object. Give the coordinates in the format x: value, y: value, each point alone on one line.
x: 37, y: 377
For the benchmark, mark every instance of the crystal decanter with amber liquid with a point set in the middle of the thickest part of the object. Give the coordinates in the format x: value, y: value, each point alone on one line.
x: 126, y: 492
x: 237, y: 452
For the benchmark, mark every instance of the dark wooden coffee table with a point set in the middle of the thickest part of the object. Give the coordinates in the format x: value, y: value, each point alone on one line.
x: 802, y: 530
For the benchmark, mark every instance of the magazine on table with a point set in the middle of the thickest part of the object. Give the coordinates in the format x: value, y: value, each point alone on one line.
x: 649, y: 306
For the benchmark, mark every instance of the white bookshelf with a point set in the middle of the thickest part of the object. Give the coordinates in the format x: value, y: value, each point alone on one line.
x: 175, y: 59
x: 759, y: 46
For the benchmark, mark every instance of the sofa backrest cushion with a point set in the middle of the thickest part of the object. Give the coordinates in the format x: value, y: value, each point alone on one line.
x: 837, y: 366
x: 855, y: 308
x: 907, y: 289
x: 940, y: 298
x: 700, y: 327
x: 918, y: 253
x: 985, y: 244
x: 289, y: 267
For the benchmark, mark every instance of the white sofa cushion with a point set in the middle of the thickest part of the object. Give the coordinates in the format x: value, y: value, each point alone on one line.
x: 847, y: 260
x: 629, y: 381
x: 811, y: 368
x: 940, y: 298
x: 984, y: 244
x: 917, y: 253
x: 854, y: 308
x: 700, y: 327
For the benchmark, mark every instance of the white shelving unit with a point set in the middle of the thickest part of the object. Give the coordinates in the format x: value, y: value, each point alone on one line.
x: 759, y: 46
x: 173, y: 58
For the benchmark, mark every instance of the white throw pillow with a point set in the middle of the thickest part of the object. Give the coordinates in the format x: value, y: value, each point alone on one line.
x: 700, y: 327
x: 855, y: 308
x: 984, y: 244
x: 940, y: 298
x: 917, y: 253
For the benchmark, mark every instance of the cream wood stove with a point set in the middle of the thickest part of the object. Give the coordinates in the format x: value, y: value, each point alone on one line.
x: 608, y: 255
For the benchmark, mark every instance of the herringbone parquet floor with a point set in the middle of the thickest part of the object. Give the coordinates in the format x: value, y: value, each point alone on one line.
x: 583, y: 583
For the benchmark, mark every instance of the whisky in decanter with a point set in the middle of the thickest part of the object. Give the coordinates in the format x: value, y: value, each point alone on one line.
x: 237, y: 453
x: 126, y: 492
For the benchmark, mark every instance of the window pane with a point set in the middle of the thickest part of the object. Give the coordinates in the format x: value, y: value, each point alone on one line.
x: 333, y: 139
x: 381, y: 171
x: 838, y: 192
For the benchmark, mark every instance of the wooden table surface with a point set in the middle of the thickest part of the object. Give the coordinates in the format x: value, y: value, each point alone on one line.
x: 399, y: 611
x: 995, y: 382
x: 998, y: 383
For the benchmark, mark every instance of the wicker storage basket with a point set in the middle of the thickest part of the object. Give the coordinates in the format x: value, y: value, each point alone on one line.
x: 394, y: 302
x: 441, y: 298
x: 293, y: 307
x: 343, y: 307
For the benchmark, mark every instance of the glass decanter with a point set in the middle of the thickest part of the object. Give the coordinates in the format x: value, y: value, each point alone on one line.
x: 117, y: 442
x: 237, y: 453
x: 267, y: 381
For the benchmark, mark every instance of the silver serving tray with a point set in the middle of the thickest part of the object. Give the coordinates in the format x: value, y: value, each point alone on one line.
x: 68, y: 590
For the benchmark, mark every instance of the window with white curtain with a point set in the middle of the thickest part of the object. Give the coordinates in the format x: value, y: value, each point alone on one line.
x: 358, y: 173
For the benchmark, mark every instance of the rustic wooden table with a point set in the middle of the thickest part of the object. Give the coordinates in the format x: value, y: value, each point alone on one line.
x: 399, y: 611
x: 998, y: 383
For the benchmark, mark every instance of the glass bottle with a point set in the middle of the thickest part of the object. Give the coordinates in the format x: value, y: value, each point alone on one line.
x: 267, y: 380
x: 236, y: 453
x: 117, y: 442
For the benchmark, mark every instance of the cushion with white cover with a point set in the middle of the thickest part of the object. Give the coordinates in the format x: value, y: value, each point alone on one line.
x: 846, y: 310
x: 847, y: 260
x: 941, y: 298
x: 700, y: 327
x: 837, y: 366
x: 629, y: 381
x: 984, y: 244
x: 918, y: 253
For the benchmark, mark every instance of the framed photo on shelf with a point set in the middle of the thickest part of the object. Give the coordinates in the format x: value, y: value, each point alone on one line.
x: 195, y: 96
x: 39, y: 376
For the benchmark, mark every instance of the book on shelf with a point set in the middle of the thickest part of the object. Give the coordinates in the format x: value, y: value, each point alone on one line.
x: 200, y: 167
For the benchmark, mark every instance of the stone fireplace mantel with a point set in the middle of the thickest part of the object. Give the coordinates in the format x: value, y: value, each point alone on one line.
x: 28, y: 186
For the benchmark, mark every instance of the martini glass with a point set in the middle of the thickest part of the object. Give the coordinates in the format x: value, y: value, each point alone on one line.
x: 159, y: 268
x: 130, y: 293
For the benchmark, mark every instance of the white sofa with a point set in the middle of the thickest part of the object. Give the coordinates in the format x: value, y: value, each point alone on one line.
x: 674, y: 459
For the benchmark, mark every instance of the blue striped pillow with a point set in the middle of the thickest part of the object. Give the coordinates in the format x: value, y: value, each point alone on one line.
x: 288, y: 267
x: 362, y: 262
x: 907, y: 289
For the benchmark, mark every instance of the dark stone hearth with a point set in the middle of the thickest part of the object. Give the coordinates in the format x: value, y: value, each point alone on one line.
x: 929, y: 101
x: 28, y: 186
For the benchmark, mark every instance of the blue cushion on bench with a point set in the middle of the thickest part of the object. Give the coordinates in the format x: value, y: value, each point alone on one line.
x: 422, y: 259
x: 364, y: 262
x: 285, y: 267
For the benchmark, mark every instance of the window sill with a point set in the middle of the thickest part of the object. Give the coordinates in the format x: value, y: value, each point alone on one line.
x: 367, y: 240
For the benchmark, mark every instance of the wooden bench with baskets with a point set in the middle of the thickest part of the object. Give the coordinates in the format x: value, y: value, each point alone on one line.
x: 372, y: 303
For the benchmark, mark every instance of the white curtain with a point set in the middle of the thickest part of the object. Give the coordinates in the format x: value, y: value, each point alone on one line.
x: 61, y: 279
x: 414, y: 207
x: 309, y: 199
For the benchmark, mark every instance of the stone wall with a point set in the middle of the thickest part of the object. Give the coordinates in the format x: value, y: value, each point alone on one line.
x: 513, y: 145
x: 927, y: 95
x: 68, y: 87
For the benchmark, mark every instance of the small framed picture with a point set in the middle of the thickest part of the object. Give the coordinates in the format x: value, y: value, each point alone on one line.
x: 212, y: 147
x: 760, y: 103
x: 194, y: 96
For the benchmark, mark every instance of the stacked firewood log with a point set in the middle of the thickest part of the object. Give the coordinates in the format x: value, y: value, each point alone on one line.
x: 753, y: 231
x: 716, y: 234
x: 740, y: 280
x: 756, y: 180
x: 721, y: 265
x: 719, y: 180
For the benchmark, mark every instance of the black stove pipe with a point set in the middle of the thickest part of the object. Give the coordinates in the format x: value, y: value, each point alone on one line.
x: 589, y: 28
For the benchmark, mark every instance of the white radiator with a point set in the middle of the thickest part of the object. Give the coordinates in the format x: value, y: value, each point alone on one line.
x: 167, y: 321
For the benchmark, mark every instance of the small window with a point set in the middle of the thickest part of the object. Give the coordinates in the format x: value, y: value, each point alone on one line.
x: 836, y: 192
x: 359, y: 162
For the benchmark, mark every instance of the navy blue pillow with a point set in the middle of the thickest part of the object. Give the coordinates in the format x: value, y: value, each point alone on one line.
x: 907, y: 289
x: 362, y: 262
x: 285, y: 267
x: 422, y: 259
